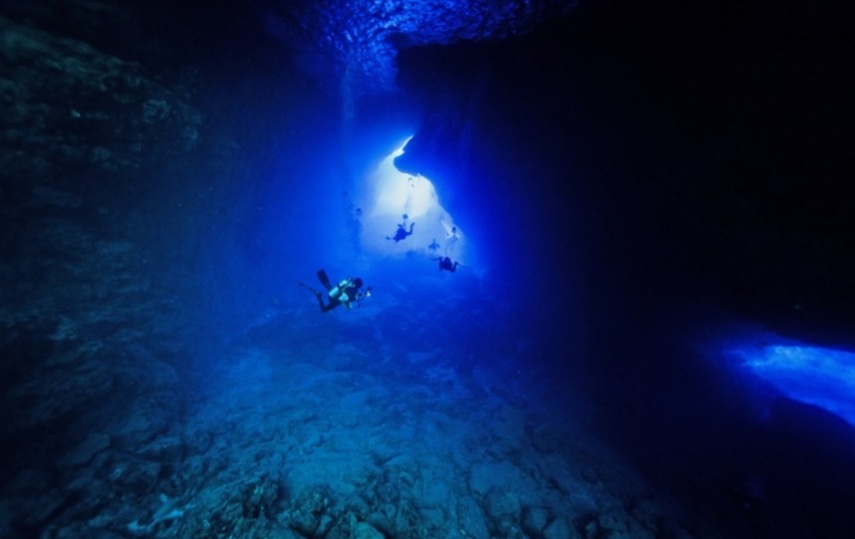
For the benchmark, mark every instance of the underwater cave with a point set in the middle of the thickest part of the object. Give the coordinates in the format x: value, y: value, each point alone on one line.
x: 413, y: 269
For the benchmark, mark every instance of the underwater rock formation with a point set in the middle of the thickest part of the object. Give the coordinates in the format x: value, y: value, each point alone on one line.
x: 78, y: 126
x: 67, y: 105
x: 352, y: 46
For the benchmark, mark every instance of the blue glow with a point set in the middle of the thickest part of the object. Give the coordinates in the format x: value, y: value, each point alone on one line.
x: 391, y: 198
x: 820, y: 376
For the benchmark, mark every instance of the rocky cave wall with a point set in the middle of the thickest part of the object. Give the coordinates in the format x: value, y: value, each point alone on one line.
x: 353, y: 46
x: 124, y: 192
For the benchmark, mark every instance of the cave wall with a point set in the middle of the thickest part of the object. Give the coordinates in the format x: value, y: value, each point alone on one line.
x: 692, y: 144
x: 351, y: 47
x: 128, y: 183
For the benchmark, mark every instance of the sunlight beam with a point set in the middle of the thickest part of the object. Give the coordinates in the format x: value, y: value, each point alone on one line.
x: 394, y: 198
x: 823, y: 377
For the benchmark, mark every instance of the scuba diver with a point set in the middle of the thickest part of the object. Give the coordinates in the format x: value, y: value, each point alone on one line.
x: 452, y: 236
x: 346, y: 293
x: 402, y: 233
x: 446, y: 264
x: 433, y: 246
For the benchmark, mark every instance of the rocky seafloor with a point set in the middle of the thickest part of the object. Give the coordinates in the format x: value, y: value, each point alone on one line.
x: 333, y: 441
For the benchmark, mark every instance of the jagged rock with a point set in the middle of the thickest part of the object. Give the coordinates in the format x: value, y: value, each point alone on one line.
x: 471, y: 520
x: 139, y: 429
x: 559, y: 529
x: 508, y: 527
x: 52, y: 394
x: 382, y: 517
x: 260, y: 497
x: 511, y: 429
x: 623, y: 526
x: 306, y: 511
x: 343, y: 472
x: 66, y: 104
x: 366, y: 531
x: 279, y: 532
x: 85, y: 450
x: 164, y: 449
x: 139, y: 475
x: 167, y: 511
x: 535, y: 519
x: 398, y: 519
x: 591, y: 529
x: 488, y: 475
x: 352, y: 46
x: 501, y: 502
x: 348, y: 527
x: 384, y: 452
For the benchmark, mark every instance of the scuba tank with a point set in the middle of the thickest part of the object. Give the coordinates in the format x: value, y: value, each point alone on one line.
x: 338, y: 292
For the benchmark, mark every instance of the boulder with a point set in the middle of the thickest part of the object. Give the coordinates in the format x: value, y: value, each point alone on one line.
x: 535, y: 520
x: 559, y: 529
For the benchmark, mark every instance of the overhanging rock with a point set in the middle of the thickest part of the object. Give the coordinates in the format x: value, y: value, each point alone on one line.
x: 351, y: 46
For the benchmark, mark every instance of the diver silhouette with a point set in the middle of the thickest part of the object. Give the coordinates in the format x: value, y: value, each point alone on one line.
x: 452, y: 236
x: 346, y: 293
x: 402, y: 233
x: 446, y: 264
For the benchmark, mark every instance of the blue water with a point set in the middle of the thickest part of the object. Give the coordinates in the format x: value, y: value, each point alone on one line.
x: 621, y: 351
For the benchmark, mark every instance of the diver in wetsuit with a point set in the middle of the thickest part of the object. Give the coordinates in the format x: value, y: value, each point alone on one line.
x: 347, y: 292
x: 402, y: 233
x: 446, y: 264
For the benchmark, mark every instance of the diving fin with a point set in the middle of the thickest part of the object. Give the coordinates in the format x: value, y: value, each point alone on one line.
x: 322, y: 277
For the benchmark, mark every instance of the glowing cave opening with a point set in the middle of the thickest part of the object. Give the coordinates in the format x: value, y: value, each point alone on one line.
x: 402, y: 214
x: 822, y: 377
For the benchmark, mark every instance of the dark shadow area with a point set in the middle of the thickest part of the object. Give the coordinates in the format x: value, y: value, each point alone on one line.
x: 680, y: 163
